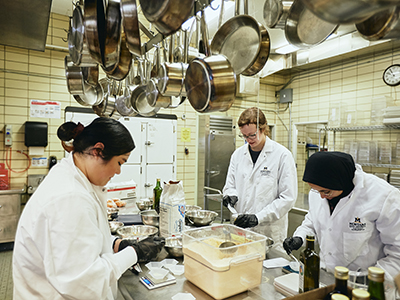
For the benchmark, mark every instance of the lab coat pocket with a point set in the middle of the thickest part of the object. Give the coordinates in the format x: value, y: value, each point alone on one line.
x: 355, y: 244
x: 266, y: 186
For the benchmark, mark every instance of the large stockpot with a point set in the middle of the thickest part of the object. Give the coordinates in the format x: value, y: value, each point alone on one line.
x: 347, y: 11
x: 167, y: 15
x: 304, y: 29
x: 382, y: 25
x: 210, y: 82
x: 245, y: 43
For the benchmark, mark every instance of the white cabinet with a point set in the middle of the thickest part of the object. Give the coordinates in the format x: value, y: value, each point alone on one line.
x: 154, y: 155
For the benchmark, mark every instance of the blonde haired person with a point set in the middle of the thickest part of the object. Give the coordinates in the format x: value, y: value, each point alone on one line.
x: 261, y: 182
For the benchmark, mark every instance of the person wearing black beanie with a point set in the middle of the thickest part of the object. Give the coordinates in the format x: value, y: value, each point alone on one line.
x: 354, y: 216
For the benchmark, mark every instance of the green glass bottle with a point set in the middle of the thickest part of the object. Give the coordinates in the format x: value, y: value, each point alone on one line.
x: 359, y: 294
x: 157, y: 195
x: 341, y: 277
x: 309, y: 267
x: 376, y: 278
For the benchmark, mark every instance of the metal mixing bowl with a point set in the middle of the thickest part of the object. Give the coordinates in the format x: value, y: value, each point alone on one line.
x: 137, y: 231
x: 190, y: 208
x: 114, y: 225
x: 150, y: 217
x: 201, y: 217
x: 268, y: 244
x: 173, y: 245
x: 112, y: 213
x: 144, y: 204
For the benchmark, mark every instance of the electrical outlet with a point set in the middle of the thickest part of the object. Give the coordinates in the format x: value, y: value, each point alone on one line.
x: 8, y: 135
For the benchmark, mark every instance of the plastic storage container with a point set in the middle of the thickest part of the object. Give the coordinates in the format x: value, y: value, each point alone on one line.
x: 223, y: 272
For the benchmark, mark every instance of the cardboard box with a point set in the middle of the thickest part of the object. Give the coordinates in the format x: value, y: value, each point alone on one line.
x: 316, y: 294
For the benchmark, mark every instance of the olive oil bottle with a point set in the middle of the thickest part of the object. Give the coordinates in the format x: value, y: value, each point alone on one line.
x: 309, y: 267
x: 376, y: 278
x: 341, y: 277
x: 157, y: 195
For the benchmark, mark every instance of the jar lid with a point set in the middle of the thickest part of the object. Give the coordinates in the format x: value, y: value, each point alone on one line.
x: 310, y: 237
x: 341, y: 273
x: 359, y: 294
x: 376, y: 274
x: 339, y: 297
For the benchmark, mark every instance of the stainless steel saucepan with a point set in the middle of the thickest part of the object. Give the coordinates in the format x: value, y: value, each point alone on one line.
x: 167, y: 15
x: 210, y: 82
x: 347, y: 11
x: 244, y: 41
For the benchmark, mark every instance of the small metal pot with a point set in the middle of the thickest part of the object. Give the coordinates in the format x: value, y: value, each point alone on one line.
x: 210, y: 82
x: 167, y: 15
x: 345, y: 11
x: 382, y: 25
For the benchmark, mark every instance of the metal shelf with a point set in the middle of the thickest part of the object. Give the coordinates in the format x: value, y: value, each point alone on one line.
x: 363, y: 128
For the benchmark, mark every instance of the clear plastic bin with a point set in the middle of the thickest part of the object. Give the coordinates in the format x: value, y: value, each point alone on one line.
x: 223, y: 272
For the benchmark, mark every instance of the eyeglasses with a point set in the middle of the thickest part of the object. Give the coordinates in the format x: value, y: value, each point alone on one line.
x: 325, y: 193
x: 250, y: 137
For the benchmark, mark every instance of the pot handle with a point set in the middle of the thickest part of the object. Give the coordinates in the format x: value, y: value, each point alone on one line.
x: 204, y: 34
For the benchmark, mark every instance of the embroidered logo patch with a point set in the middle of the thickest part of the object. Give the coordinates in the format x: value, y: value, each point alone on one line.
x: 265, y: 171
x: 357, y: 225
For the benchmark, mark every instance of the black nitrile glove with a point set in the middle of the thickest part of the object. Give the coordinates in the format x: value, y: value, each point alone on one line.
x: 292, y: 243
x: 246, y: 220
x: 229, y: 199
x: 147, y: 249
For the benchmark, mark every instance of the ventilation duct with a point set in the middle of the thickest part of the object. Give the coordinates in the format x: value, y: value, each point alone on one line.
x: 24, y: 23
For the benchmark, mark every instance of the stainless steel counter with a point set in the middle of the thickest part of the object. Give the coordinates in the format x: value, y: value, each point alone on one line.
x: 132, y: 288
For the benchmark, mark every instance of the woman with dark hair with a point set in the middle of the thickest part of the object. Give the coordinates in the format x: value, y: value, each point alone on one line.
x: 261, y: 182
x: 63, y: 247
x: 354, y: 216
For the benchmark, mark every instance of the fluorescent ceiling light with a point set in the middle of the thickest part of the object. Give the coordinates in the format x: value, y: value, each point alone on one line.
x: 286, y: 49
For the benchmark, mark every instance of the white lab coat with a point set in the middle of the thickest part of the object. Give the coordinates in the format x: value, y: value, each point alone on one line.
x: 63, y: 245
x: 363, y: 230
x: 267, y: 189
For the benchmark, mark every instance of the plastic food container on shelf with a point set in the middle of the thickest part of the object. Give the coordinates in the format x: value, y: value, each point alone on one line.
x: 223, y: 272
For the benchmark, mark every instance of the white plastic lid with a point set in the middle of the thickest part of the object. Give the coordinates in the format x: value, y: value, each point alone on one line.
x: 183, y: 296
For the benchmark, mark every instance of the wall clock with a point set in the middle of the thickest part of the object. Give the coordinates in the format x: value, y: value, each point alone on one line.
x: 391, y: 76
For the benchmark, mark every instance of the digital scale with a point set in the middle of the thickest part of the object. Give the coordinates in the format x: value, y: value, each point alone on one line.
x: 152, y: 283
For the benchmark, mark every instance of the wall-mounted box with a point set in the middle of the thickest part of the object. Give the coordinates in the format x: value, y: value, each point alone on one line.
x: 36, y: 134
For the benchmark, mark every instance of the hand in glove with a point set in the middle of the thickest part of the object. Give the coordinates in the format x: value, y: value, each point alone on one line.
x: 292, y: 243
x: 147, y: 249
x: 229, y: 199
x: 246, y: 220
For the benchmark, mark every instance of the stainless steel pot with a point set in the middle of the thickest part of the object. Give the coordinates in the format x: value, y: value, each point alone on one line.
x: 112, y: 41
x: 77, y: 46
x: 275, y: 13
x: 130, y: 23
x: 210, y: 82
x: 74, y: 77
x: 304, y: 29
x: 382, y: 25
x: 94, y: 27
x: 345, y: 11
x: 121, y: 68
x: 167, y: 15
